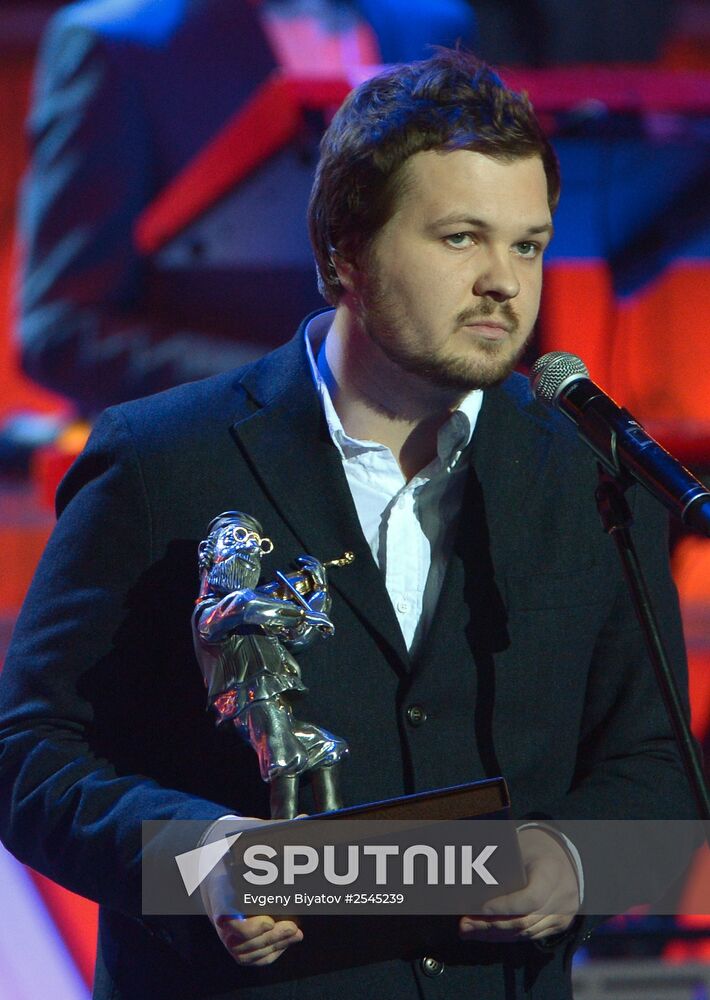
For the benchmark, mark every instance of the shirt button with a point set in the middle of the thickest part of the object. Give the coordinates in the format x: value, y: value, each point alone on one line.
x: 431, y: 967
x: 416, y: 715
x: 402, y: 606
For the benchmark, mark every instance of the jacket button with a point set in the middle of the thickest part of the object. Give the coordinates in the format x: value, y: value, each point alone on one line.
x: 431, y: 967
x: 416, y: 715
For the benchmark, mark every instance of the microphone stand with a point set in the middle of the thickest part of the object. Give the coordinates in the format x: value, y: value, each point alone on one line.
x: 616, y: 518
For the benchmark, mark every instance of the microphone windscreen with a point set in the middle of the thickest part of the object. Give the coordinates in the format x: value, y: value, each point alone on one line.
x: 552, y: 372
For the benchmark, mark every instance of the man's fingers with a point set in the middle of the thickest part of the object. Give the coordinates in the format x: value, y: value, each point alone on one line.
x: 490, y: 924
x: 547, y: 925
x: 531, y: 899
x: 275, y: 941
x: 281, y: 935
x: 495, y: 929
x: 257, y: 940
x: 269, y: 953
x: 534, y: 927
x: 245, y: 928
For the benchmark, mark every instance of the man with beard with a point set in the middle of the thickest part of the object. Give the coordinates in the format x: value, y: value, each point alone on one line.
x: 243, y: 637
x: 483, y: 629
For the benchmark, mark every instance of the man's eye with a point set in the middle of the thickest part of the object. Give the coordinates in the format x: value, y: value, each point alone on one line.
x: 528, y: 249
x: 459, y: 240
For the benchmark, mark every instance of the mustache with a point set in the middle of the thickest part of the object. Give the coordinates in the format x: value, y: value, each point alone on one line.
x: 500, y: 312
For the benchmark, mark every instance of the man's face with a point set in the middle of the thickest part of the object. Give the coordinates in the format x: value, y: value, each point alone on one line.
x: 450, y: 288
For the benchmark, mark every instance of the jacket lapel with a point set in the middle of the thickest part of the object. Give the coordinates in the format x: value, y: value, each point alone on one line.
x: 287, y: 443
x: 507, y: 456
x: 510, y: 451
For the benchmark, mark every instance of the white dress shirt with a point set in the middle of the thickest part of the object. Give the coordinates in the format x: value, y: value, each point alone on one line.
x: 409, y: 526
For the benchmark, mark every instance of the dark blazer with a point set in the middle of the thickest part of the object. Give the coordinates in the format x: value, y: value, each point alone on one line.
x: 533, y: 669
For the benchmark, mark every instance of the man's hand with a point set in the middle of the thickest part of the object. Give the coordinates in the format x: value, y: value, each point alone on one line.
x: 257, y: 940
x: 546, y: 906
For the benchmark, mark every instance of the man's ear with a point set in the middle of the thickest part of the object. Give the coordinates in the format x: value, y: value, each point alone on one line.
x: 348, y: 272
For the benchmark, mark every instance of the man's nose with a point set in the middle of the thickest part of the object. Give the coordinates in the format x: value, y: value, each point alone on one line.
x: 497, y: 277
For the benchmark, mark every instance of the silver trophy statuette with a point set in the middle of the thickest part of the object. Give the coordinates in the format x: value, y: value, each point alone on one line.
x: 245, y: 636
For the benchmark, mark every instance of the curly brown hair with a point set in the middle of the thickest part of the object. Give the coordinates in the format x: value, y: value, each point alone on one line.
x: 451, y: 101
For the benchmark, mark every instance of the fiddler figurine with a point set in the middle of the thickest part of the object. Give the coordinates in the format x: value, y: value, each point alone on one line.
x: 244, y: 635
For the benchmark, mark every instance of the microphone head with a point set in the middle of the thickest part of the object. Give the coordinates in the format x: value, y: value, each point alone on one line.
x: 553, y: 372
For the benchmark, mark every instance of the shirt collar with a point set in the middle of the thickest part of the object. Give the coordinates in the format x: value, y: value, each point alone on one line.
x: 453, y: 436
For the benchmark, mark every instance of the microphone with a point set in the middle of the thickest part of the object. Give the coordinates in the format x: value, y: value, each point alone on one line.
x: 620, y: 443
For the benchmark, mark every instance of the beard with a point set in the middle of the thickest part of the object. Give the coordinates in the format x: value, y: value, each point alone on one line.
x: 486, y: 365
x: 233, y: 574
